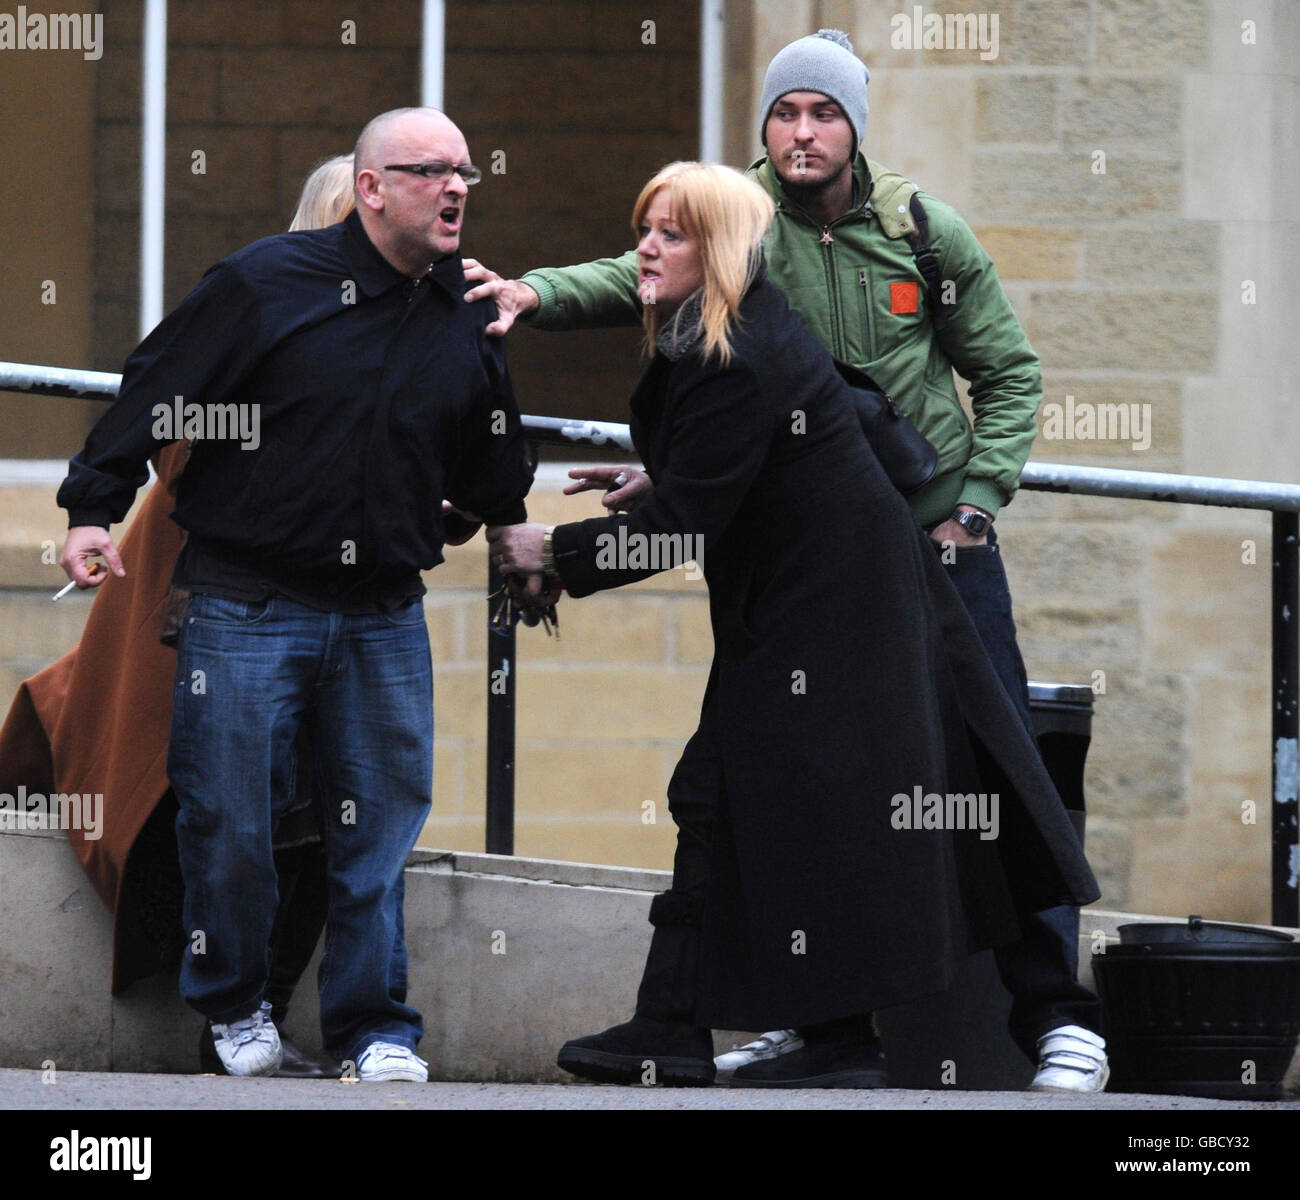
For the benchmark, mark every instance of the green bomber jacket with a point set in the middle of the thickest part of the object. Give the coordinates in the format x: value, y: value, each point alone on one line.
x: 857, y: 286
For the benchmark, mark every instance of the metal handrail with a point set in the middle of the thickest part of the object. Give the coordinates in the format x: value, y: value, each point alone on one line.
x: 1280, y: 499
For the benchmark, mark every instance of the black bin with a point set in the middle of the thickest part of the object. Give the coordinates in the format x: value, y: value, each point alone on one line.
x: 1200, y: 1009
x: 1062, y: 714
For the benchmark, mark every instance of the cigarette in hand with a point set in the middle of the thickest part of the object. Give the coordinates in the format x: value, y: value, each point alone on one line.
x: 67, y: 587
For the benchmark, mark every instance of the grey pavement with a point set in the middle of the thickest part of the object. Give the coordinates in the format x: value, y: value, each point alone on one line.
x: 71, y: 1090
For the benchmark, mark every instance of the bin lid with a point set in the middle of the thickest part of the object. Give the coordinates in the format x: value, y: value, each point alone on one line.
x: 1195, y: 932
x: 1060, y: 693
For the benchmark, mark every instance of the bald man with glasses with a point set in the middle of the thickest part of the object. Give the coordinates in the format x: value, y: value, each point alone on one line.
x: 377, y: 396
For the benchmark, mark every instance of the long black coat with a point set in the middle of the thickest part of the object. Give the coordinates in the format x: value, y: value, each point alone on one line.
x: 846, y: 673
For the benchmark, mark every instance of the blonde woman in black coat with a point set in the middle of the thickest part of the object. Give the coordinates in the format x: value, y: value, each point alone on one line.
x: 859, y: 809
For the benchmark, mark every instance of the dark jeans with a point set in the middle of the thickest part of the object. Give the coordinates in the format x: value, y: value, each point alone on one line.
x: 247, y: 673
x: 1039, y: 971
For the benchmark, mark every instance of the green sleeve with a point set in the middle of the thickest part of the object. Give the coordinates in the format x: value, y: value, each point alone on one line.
x: 989, y: 349
x: 594, y: 295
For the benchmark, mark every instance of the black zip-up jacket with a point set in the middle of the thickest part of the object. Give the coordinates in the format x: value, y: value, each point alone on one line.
x: 372, y: 398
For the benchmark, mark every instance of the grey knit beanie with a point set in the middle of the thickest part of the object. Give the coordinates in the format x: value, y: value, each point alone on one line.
x: 822, y: 62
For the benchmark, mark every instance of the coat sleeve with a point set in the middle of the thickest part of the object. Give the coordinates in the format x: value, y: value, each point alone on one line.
x: 491, y: 476
x: 989, y: 348
x: 203, y: 351
x: 594, y: 295
x: 718, y: 443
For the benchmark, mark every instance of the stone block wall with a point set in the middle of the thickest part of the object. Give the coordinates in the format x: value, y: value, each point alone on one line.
x: 266, y: 90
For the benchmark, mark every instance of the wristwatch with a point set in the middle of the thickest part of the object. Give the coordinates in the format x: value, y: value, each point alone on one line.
x: 548, y: 551
x: 975, y: 523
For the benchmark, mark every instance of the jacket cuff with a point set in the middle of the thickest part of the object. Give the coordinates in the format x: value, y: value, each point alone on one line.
x: 516, y: 514
x: 548, y: 303
x: 982, y: 493
x: 574, y: 570
x: 90, y: 516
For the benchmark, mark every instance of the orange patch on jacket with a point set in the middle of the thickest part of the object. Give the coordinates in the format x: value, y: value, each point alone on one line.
x: 902, y: 297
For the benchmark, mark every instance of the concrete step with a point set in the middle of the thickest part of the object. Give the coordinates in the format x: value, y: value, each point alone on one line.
x: 510, y: 957
x: 24, y: 1089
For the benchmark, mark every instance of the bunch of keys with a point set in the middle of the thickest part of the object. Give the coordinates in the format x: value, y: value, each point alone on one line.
x: 513, y: 603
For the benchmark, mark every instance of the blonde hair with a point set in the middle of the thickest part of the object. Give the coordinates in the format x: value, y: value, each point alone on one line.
x: 728, y: 214
x: 327, y: 195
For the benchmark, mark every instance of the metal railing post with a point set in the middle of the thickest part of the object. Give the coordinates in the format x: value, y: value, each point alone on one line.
x: 500, y: 728
x: 1286, y: 715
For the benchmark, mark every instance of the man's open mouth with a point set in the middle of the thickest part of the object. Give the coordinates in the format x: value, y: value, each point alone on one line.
x: 450, y: 216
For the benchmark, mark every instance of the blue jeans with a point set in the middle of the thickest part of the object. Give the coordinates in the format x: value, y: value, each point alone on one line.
x: 247, y: 674
x: 1040, y: 971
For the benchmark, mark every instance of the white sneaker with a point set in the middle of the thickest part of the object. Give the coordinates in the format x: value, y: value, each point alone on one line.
x: 1071, y: 1059
x: 770, y: 1045
x: 250, y: 1046
x: 387, y: 1062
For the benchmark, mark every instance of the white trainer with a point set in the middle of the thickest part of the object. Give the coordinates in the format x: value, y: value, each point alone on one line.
x: 387, y: 1062
x: 250, y: 1046
x: 770, y: 1045
x: 1071, y: 1059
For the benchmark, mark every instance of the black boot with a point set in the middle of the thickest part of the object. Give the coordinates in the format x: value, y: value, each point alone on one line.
x: 643, y: 1051
x: 661, y: 1044
x: 838, y: 1054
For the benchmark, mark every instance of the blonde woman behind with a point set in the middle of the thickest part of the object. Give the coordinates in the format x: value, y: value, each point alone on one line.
x: 326, y: 196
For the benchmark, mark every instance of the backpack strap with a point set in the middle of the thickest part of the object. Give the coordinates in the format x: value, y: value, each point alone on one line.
x: 926, y: 262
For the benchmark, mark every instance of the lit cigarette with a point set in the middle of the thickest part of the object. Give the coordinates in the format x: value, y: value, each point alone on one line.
x: 63, y: 591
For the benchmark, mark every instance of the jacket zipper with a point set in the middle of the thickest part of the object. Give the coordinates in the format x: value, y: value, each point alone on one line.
x: 867, y: 315
x: 837, y: 316
x: 827, y: 239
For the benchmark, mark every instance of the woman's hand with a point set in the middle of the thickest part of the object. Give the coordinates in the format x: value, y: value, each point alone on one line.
x: 512, y: 298
x: 517, y: 549
x: 625, y: 487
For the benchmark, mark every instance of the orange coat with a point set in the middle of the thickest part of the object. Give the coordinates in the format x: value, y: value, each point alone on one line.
x: 98, y: 719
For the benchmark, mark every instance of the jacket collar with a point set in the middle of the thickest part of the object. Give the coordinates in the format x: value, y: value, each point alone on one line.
x: 375, y: 274
x: 877, y: 191
x: 765, y: 173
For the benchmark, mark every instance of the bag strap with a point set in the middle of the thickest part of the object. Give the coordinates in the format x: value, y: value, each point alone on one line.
x: 926, y: 262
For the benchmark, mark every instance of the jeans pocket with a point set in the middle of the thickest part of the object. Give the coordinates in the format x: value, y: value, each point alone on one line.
x: 410, y: 614
x: 222, y: 610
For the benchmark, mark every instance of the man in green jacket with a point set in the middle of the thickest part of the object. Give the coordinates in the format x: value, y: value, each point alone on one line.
x: 844, y: 248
